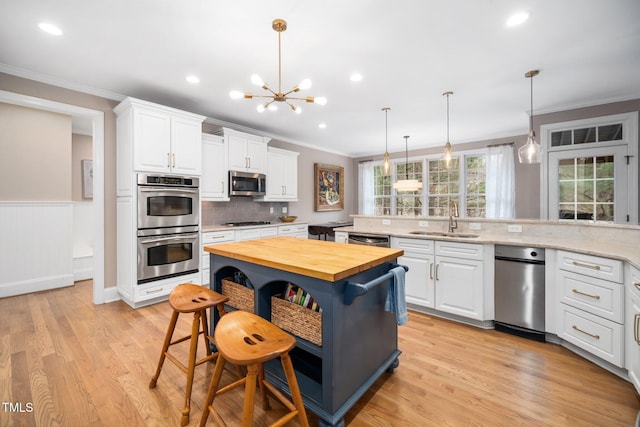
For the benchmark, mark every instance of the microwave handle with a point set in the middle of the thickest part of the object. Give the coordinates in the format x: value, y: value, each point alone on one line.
x: 164, y: 239
x: 163, y: 189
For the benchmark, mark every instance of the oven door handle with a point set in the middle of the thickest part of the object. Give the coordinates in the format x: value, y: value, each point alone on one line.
x: 169, y: 238
x: 167, y: 189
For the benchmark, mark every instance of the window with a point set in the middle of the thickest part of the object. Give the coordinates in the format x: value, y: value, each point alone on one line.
x: 463, y: 182
x: 444, y: 186
x: 586, y: 187
x: 476, y: 180
x: 591, y: 169
x: 381, y: 192
x: 409, y: 203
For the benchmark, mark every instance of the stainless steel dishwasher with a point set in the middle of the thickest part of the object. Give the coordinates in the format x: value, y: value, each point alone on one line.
x: 519, y: 291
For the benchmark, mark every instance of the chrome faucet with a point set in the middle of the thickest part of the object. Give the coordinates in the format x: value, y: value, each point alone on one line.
x: 453, y: 212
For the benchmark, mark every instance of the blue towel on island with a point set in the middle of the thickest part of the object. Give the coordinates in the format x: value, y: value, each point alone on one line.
x: 396, y: 301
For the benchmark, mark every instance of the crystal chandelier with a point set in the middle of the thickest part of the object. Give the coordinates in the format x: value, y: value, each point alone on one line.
x: 279, y: 25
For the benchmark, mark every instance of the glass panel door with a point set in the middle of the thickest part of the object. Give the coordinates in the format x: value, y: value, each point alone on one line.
x: 588, y: 185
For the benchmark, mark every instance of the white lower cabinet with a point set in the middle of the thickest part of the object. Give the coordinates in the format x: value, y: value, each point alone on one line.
x: 591, y: 304
x: 212, y: 238
x: 161, y: 288
x: 459, y: 280
x: 341, y: 237
x: 446, y: 276
x: 632, y: 327
x: 300, y: 231
x: 419, y: 256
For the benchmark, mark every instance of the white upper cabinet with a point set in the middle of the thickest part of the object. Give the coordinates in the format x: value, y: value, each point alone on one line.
x: 214, y: 184
x: 282, y: 175
x: 155, y: 138
x: 247, y: 153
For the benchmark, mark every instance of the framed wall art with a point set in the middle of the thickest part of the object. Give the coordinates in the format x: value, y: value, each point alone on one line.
x: 329, y: 187
x: 87, y: 179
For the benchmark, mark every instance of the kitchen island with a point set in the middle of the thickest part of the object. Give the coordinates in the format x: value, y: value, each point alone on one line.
x: 356, y: 339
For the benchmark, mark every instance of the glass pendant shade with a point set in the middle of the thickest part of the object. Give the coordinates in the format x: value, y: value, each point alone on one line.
x: 386, y: 163
x: 407, y: 184
x: 530, y: 152
x: 447, y: 154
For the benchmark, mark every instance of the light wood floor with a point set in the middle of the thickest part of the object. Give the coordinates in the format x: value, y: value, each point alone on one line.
x: 84, y: 365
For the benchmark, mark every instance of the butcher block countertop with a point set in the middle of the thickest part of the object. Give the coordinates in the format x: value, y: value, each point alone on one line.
x: 320, y: 259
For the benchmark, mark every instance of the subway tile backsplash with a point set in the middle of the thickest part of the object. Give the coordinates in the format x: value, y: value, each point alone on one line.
x: 240, y: 209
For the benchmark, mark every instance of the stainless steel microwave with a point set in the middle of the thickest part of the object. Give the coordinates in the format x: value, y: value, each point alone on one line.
x: 247, y: 184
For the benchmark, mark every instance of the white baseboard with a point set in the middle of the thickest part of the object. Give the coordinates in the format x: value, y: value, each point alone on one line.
x: 35, y: 285
x: 111, y: 294
x: 82, y: 268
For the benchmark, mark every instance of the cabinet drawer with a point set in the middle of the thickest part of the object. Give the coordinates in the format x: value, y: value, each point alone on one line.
x: 269, y: 232
x: 162, y: 288
x: 218, y: 237
x: 414, y: 246
x: 598, y: 336
x: 597, y: 296
x: 603, y: 268
x: 634, y: 281
x: 459, y: 250
x: 287, y: 230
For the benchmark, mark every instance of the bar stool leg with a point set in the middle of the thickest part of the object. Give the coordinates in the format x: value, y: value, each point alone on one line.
x: 165, y: 347
x: 205, y: 331
x: 290, y: 374
x: 213, y: 388
x: 249, y: 395
x: 193, y: 349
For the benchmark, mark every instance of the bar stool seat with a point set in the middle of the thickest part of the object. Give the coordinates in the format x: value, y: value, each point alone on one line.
x: 246, y: 339
x: 190, y: 298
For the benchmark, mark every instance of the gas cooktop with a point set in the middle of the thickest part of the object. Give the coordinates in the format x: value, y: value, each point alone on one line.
x: 244, y: 223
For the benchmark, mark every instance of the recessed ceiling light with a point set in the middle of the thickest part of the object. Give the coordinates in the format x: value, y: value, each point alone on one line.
x: 322, y: 125
x: 355, y: 77
x: 517, y: 19
x: 193, y: 79
x: 50, y: 28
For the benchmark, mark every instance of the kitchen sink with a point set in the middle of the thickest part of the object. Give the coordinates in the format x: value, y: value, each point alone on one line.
x: 443, y: 234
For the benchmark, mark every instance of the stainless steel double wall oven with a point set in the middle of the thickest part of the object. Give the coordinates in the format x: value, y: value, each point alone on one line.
x: 168, y: 225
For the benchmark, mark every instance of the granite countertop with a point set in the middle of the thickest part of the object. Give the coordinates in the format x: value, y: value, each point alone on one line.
x: 224, y: 227
x: 624, y: 251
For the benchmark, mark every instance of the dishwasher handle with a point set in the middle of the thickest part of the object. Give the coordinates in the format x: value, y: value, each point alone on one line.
x: 525, y: 261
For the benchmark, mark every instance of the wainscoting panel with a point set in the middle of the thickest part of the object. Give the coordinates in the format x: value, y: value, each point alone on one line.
x: 36, y: 248
x: 83, y: 229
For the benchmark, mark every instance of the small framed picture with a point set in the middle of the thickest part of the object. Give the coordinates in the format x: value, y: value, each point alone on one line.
x: 87, y: 179
x: 329, y: 187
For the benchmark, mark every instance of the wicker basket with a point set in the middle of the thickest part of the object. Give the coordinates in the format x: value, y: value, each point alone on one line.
x: 300, y: 321
x: 240, y: 296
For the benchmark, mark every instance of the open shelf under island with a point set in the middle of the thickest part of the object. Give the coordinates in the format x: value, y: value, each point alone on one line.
x: 355, y: 340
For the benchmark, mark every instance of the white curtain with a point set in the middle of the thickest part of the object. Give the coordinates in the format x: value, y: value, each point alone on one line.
x: 365, y: 188
x: 500, y: 182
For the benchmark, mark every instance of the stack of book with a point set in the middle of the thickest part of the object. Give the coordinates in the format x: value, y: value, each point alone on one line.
x: 301, y: 297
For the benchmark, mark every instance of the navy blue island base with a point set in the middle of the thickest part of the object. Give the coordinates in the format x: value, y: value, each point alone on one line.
x: 359, y: 338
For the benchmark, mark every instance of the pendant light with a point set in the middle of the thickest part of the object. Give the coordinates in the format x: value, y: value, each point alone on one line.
x: 386, y: 163
x: 447, y: 147
x: 407, y: 184
x: 531, y: 151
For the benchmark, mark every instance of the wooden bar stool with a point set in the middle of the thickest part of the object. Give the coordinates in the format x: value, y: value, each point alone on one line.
x: 190, y: 298
x: 248, y: 340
